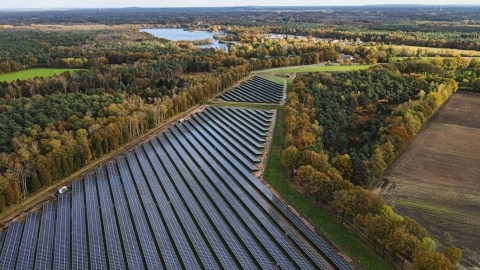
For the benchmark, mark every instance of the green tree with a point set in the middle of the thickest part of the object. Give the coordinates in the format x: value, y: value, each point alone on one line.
x: 453, y: 254
x: 429, y: 244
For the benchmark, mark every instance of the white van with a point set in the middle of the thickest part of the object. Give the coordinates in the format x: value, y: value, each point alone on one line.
x: 63, y: 190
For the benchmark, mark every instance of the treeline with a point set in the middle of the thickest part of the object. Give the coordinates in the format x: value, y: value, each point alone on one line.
x: 77, y: 46
x: 343, y: 129
x: 465, y: 40
x: 51, y: 127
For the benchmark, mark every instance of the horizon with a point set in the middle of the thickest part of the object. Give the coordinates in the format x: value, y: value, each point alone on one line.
x: 107, y: 4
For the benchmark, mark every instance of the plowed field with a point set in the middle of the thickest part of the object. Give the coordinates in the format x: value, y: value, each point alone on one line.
x: 437, y: 179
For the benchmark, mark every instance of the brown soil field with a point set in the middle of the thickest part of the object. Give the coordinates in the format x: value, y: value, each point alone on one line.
x: 437, y: 179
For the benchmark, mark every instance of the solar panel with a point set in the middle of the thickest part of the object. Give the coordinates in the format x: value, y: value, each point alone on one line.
x: 61, y: 253
x: 94, y: 223
x: 219, y: 226
x: 256, y: 90
x: 296, y: 255
x: 202, y: 250
x: 79, y: 227
x: 225, y: 175
x: 26, y: 254
x: 220, y: 202
x: 112, y: 236
x: 231, y: 136
x: 44, y: 255
x: 187, y: 254
x: 149, y: 250
x: 2, y: 237
x: 236, y: 149
x: 11, y: 245
x: 129, y: 240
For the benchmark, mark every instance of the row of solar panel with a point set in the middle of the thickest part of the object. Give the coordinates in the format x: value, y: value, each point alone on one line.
x: 257, y: 90
x: 181, y: 200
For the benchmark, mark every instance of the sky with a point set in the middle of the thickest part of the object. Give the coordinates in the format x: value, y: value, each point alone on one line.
x: 212, y: 3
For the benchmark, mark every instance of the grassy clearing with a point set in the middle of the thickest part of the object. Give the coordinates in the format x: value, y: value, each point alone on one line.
x: 343, y: 238
x: 32, y: 73
x: 314, y: 68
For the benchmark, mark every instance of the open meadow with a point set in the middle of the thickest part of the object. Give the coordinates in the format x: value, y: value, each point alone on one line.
x: 436, y: 180
x: 32, y: 73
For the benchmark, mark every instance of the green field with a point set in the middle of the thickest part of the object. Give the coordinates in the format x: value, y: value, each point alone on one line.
x: 314, y: 68
x: 32, y: 73
x: 344, y: 239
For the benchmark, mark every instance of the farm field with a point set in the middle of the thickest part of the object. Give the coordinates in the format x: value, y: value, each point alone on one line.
x: 184, y: 199
x: 436, y: 180
x: 32, y: 73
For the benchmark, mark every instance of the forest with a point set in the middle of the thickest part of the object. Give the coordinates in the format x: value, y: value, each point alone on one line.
x: 343, y: 129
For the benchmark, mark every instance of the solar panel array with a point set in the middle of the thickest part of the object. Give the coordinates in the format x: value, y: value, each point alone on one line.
x: 186, y: 199
x: 256, y: 90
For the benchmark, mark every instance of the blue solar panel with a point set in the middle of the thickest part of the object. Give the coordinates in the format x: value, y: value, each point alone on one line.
x: 239, y: 126
x: 11, y: 245
x: 167, y: 250
x: 95, y: 232
x: 248, y: 146
x: 261, y: 234
x: 149, y: 249
x: 239, y: 115
x: 203, y: 251
x: 197, y: 198
x: 26, y: 254
x: 112, y: 236
x: 79, y: 227
x: 187, y: 254
x: 258, y: 90
x: 2, y: 237
x: 61, y: 253
x: 130, y: 244
x: 222, y: 146
x: 223, y: 197
x: 212, y: 211
x: 44, y: 255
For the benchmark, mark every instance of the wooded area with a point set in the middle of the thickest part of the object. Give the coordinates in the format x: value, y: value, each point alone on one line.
x: 343, y: 129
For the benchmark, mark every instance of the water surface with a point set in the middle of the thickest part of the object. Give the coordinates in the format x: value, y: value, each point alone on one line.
x: 178, y: 34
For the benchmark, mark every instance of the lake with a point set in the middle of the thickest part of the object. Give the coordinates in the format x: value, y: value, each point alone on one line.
x: 177, y: 34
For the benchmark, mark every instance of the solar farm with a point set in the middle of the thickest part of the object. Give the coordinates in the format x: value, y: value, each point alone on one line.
x: 186, y: 199
x: 257, y: 90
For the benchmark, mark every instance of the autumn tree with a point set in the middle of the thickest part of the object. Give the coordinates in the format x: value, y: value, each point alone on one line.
x: 431, y: 260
